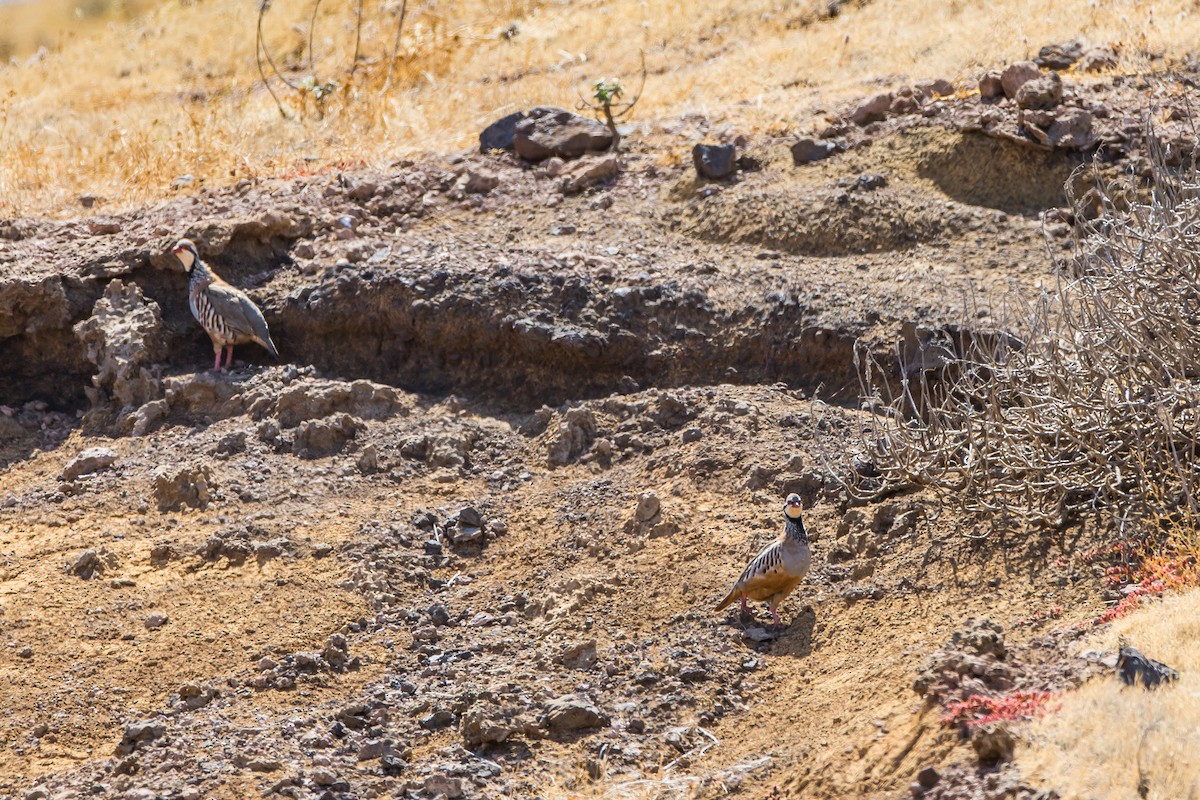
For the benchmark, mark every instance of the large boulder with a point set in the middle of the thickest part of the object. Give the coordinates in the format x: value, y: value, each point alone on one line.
x: 546, y: 132
x: 499, y: 135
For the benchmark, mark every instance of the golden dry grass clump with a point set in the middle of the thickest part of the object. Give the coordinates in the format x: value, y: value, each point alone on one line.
x: 1113, y: 741
x: 122, y: 110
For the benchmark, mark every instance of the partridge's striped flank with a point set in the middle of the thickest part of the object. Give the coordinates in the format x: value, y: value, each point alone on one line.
x: 224, y: 311
x: 776, y: 571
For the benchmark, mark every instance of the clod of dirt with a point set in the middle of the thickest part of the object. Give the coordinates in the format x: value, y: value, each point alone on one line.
x: 324, y: 437
x: 125, y: 339
x: 90, y: 460
x: 993, y: 743
x: 186, y: 486
x: 546, y: 132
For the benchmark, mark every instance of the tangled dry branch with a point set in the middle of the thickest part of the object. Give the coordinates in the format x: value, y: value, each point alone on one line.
x: 1088, y: 402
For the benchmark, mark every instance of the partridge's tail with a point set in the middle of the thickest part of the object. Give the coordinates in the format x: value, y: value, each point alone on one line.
x: 729, y: 598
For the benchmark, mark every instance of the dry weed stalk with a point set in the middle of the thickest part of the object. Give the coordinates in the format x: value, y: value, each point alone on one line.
x: 1088, y: 402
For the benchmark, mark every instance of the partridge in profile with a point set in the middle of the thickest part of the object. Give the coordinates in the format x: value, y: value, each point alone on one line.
x: 778, y: 569
x: 225, y: 312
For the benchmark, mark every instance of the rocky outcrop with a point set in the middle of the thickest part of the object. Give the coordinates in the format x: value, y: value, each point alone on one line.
x: 125, y: 339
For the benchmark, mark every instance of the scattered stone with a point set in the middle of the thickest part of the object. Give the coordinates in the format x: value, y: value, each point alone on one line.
x: 91, y: 563
x: 1133, y: 667
x: 936, y: 87
x: 714, y: 161
x: 572, y: 713
x: 90, y: 460
x: 991, y: 87
x: 1098, y: 59
x: 1072, y: 129
x: 155, y: 621
x: 806, y: 151
x: 499, y: 135
x: 325, y: 437
x: 138, y: 734
x: 368, y: 460
x: 478, y: 181
x: 648, y: 506
x: 874, y: 109
x: 546, y: 132
x: 232, y: 443
x: 1045, y: 92
x: 588, y: 173
x: 574, y: 435
x: 1059, y: 56
x: 1017, y: 75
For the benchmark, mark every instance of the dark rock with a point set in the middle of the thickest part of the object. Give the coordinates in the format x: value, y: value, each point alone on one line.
x: 1041, y: 93
x: 991, y: 87
x: 1017, y: 75
x: 714, y: 161
x: 155, y: 621
x: 874, y: 109
x: 928, y: 778
x: 546, y: 132
x: 869, y: 183
x: 469, y: 516
x: 572, y: 713
x: 1059, y: 56
x: 499, y: 135
x: 1133, y: 667
x: 806, y: 151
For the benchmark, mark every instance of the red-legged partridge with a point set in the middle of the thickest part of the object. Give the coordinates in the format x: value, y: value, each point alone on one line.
x: 778, y: 569
x: 226, y: 313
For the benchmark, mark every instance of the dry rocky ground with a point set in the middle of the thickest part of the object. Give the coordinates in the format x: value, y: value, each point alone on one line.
x: 531, y: 420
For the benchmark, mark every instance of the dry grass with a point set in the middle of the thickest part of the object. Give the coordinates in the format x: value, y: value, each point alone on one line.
x: 1108, y: 739
x: 122, y: 110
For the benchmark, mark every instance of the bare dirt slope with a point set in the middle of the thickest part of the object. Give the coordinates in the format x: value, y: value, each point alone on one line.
x: 418, y: 559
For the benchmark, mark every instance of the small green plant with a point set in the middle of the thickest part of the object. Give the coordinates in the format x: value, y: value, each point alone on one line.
x: 606, y: 93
